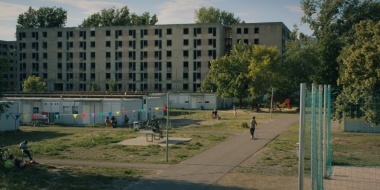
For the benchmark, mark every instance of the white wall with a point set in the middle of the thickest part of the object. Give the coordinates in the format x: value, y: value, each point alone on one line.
x: 7, y: 119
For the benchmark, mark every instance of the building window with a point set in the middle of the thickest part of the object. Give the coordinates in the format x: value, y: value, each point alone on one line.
x: 185, y: 42
x: 169, y: 43
x: 256, y: 41
x: 158, y: 32
x: 197, y: 31
x: 143, y: 32
x: 185, y: 31
x: 169, y: 31
x: 256, y: 30
x: 169, y: 64
x: 245, y: 30
x: 246, y: 41
x: 108, y: 43
x: 185, y: 86
x: 168, y: 76
x: 93, y: 44
x: 132, y: 66
x: 168, y: 53
x: 59, y: 45
x: 108, y: 75
x: 168, y: 86
x: 185, y: 75
x: 132, y: 33
x: 186, y: 64
x: 238, y: 31
x: 59, y: 34
x: 92, y: 33
x: 108, y: 33
x: 185, y: 53
x: 143, y: 43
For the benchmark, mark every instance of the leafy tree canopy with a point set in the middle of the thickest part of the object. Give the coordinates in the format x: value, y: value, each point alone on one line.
x: 214, y: 15
x: 34, y: 84
x: 118, y: 17
x: 246, y: 70
x: 332, y: 24
x: 360, y: 72
x: 44, y: 17
x: 264, y: 70
x: 300, y: 60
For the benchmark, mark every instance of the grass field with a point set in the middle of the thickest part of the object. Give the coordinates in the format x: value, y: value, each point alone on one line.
x: 97, y: 144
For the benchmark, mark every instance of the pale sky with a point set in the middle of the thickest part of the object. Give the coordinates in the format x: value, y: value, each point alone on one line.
x: 167, y: 11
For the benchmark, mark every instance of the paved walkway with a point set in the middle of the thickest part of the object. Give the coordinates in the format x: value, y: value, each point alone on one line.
x: 205, y: 169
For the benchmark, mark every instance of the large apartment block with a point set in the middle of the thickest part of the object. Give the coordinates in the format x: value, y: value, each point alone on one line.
x: 8, y: 51
x: 137, y: 58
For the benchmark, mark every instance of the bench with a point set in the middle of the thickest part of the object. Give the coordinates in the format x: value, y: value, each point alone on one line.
x: 153, y: 135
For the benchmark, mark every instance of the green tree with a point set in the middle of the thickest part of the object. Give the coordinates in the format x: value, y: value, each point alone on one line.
x: 360, y: 72
x: 112, y: 85
x: 229, y: 73
x: 118, y: 17
x: 4, y: 66
x: 34, y: 84
x: 214, y: 15
x: 332, y: 22
x: 300, y: 59
x: 44, y: 17
x: 95, y: 87
x: 264, y: 71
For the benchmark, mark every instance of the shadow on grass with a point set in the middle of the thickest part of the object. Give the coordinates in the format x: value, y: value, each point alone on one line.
x: 38, y: 176
x: 11, y: 138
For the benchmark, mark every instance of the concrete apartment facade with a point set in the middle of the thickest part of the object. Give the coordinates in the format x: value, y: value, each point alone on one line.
x: 8, y: 51
x: 155, y: 58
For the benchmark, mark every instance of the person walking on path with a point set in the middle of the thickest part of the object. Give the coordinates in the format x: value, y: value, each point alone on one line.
x: 253, y: 126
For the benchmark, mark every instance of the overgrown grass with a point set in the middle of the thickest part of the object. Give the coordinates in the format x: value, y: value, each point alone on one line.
x: 356, y: 149
x: 98, y: 144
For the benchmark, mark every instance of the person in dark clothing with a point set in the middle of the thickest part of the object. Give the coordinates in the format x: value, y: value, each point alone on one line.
x: 114, y: 121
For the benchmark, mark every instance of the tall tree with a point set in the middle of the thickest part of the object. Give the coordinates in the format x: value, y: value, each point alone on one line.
x: 264, y: 71
x: 214, y: 15
x: 331, y: 22
x: 300, y: 59
x: 360, y: 72
x: 48, y: 17
x: 4, y: 66
x: 34, y: 84
x: 118, y: 17
x: 229, y: 73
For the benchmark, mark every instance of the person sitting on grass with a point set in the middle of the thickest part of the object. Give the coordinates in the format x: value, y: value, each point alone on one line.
x: 13, y: 162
